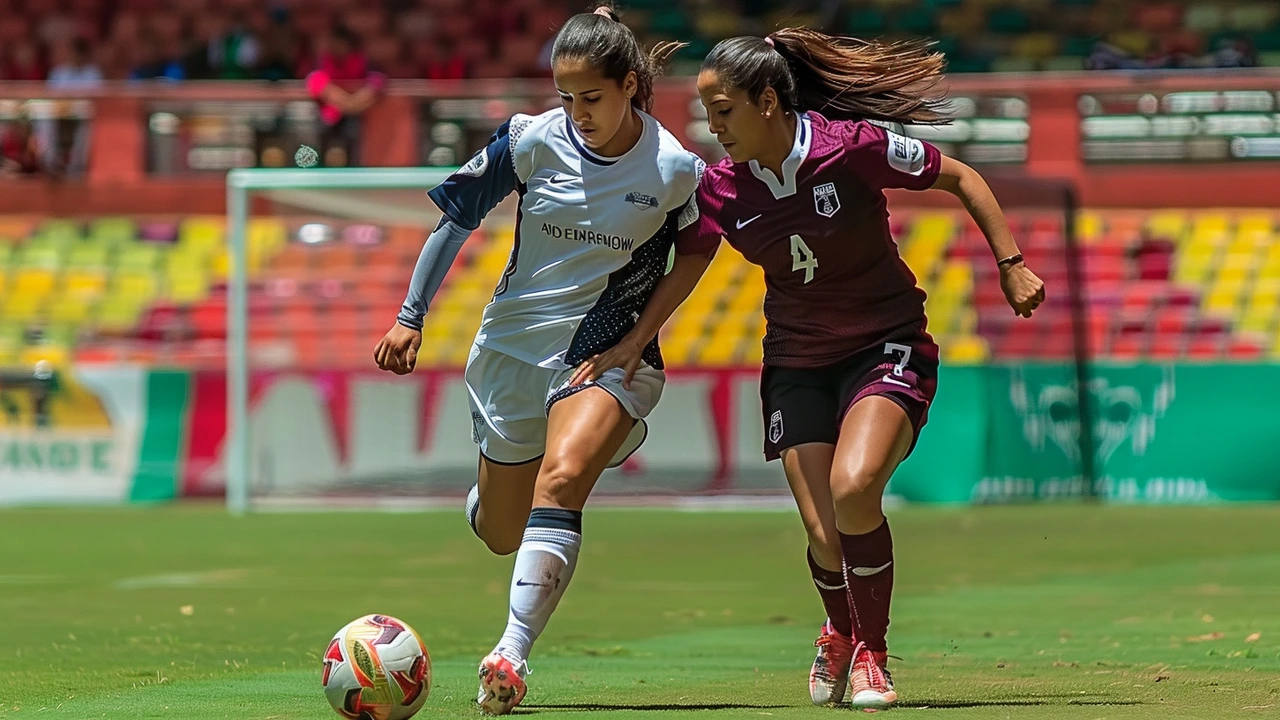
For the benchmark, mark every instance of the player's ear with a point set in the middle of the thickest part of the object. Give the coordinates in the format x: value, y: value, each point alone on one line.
x: 768, y: 102
x: 630, y: 84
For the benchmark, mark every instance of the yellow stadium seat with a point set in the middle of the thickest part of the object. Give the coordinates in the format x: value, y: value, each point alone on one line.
x: 266, y: 235
x: 1258, y: 320
x: 33, y: 281
x: 1255, y: 227
x: 677, y: 350
x: 84, y: 284
x: 118, y: 314
x: 134, y: 284
x: 1211, y: 227
x: 1223, y: 298
x: 965, y: 350
x: 719, y: 351
x: 186, y: 288
x: 56, y: 355
x: 1168, y: 224
x: 1236, y: 268
x: 21, y: 307
x: 202, y: 233
x: 1089, y: 227
x: 69, y: 309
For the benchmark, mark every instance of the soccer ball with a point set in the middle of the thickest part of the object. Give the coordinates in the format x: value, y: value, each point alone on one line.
x: 376, y: 668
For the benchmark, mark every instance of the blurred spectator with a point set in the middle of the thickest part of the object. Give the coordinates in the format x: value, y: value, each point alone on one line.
x: 440, y: 60
x: 24, y: 63
x: 20, y: 152
x: 159, y: 62
x: 344, y: 88
x: 73, y: 68
x: 279, y: 52
x: 234, y: 54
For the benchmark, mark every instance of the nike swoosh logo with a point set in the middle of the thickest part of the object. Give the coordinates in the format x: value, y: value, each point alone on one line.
x: 523, y: 583
x: 867, y: 572
x: 823, y: 586
x: 559, y: 179
x: 894, y: 381
x: 743, y: 223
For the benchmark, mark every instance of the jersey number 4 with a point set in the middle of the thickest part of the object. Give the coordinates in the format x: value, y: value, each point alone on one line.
x: 802, y: 258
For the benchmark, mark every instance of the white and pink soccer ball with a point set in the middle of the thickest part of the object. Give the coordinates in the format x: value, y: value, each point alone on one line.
x: 377, y: 668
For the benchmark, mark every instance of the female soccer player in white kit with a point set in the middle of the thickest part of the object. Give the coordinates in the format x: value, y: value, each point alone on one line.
x: 603, y: 190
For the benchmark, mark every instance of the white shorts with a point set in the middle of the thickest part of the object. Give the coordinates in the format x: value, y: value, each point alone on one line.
x: 510, y: 400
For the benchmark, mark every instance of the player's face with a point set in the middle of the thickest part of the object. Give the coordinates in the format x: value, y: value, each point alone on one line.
x: 597, y: 105
x: 738, y: 123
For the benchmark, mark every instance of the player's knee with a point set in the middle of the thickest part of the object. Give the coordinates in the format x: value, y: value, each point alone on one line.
x: 860, y: 484
x: 561, y: 481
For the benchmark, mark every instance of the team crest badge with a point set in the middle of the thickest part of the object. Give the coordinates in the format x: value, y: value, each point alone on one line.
x: 775, y: 426
x: 825, y: 200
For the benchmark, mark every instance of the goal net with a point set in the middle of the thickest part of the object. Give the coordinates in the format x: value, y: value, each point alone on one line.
x: 320, y: 263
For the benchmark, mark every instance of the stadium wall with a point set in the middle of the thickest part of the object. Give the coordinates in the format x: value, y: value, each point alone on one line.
x: 94, y: 434
x: 1182, y: 433
x: 996, y: 434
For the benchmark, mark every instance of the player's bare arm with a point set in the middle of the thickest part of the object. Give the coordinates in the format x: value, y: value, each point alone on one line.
x: 674, y: 288
x: 1022, y: 288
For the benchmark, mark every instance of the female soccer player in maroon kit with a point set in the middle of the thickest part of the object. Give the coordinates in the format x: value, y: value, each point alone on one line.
x: 849, y: 370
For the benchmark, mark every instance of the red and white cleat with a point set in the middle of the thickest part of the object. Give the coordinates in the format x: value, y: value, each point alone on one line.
x: 869, y: 680
x: 501, y: 685
x: 830, y: 673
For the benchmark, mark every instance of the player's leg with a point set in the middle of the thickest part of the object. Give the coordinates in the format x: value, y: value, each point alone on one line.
x: 800, y: 415
x: 498, y: 506
x: 808, y: 470
x: 509, y: 426
x: 875, y: 436
x: 585, y: 430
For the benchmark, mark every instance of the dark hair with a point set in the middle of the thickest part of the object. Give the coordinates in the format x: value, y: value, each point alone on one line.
x: 841, y: 77
x: 601, y: 39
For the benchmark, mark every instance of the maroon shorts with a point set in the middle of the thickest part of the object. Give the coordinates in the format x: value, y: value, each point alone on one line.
x: 805, y: 405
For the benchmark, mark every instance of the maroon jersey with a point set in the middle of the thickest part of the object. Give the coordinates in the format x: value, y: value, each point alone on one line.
x: 835, y: 283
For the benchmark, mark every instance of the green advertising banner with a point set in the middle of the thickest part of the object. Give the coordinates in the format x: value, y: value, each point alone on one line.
x: 1160, y: 434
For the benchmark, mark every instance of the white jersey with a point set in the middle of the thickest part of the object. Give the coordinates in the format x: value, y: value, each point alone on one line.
x: 592, y: 233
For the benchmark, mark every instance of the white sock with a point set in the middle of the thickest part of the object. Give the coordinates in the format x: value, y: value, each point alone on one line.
x: 544, y: 565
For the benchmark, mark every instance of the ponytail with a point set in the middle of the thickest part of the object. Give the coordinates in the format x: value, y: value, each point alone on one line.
x: 843, y: 78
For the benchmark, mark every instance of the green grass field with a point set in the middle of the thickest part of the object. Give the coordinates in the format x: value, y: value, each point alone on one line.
x: 1026, y: 612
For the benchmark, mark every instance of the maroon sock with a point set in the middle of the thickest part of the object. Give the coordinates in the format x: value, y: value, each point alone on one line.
x: 868, y: 571
x: 835, y: 596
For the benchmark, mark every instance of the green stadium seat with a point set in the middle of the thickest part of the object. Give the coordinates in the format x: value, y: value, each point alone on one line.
x: 88, y: 255
x: 1008, y: 20
x: 59, y: 229
x: 139, y: 257
x: 866, y: 21
x: 113, y: 230
x: 1063, y: 63
x: 35, y: 255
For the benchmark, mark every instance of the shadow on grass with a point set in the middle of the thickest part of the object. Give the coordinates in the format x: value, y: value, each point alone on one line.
x: 666, y: 707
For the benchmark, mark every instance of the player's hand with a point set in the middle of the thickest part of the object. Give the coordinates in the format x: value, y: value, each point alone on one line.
x: 1022, y: 289
x: 625, y: 355
x: 397, y: 351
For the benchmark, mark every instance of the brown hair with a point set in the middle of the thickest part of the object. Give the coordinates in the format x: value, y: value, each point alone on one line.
x: 841, y: 77
x: 601, y: 39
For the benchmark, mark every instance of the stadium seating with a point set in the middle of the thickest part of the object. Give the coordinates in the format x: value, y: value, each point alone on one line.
x: 504, y: 39
x: 1159, y: 284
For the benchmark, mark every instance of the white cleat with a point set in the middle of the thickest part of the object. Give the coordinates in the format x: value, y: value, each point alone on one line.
x: 870, y: 682
x: 501, y: 685
x: 829, y: 676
